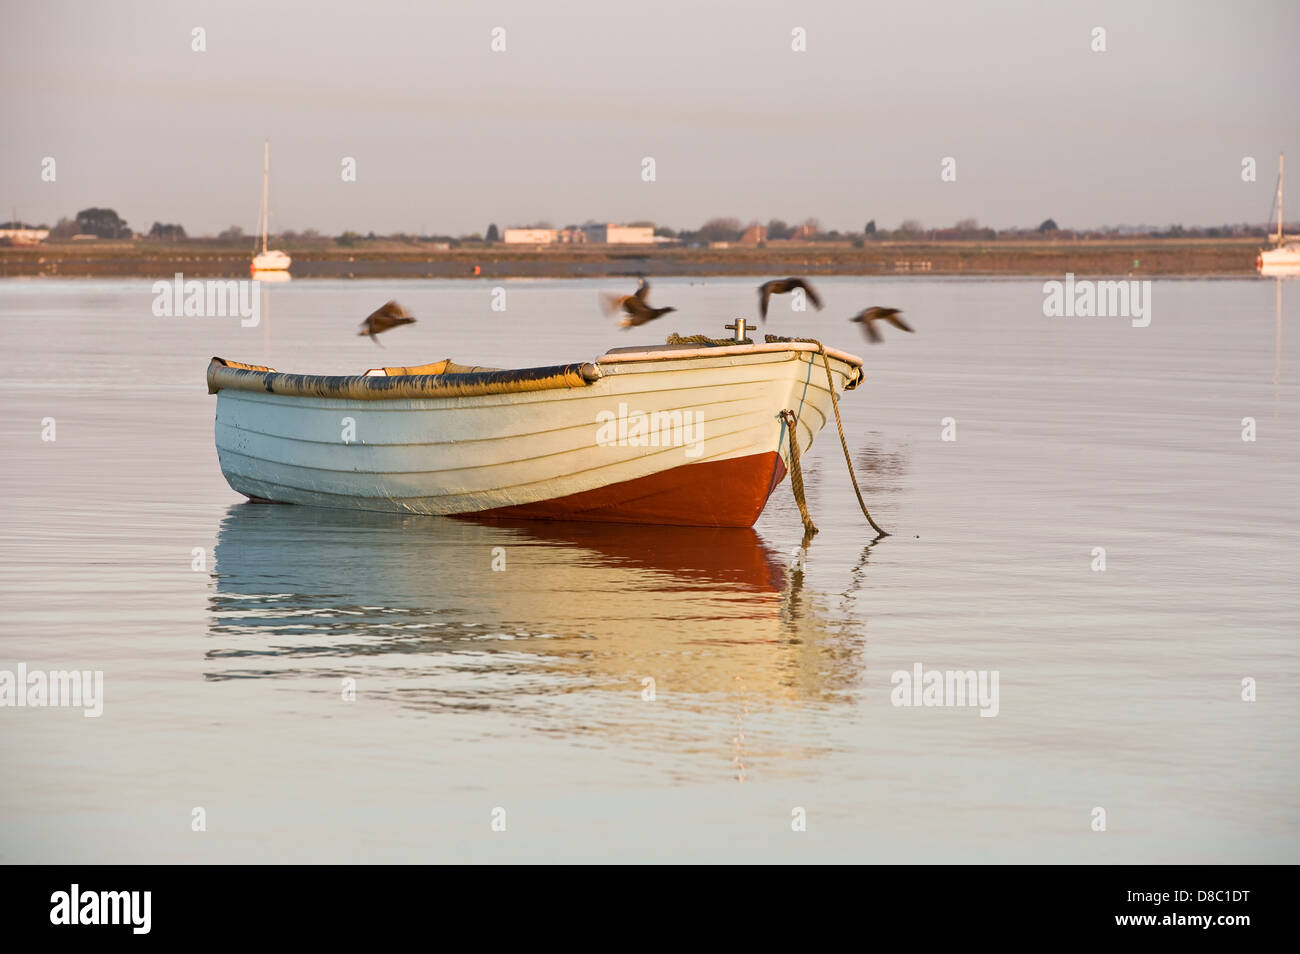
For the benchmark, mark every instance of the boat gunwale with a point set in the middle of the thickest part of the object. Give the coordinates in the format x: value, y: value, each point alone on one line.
x: 669, y: 353
x: 232, y: 375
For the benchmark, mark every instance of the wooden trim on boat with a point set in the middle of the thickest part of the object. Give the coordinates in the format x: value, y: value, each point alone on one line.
x: 231, y: 375
x: 675, y: 352
x: 671, y: 352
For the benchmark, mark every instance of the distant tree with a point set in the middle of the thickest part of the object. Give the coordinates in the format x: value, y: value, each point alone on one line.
x: 871, y: 228
x: 104, y: 223
x: 776, y: 229
x: 719, y: 230
x: 168, y: 233
x: 665, y: 231
x: 967, y: 226
x: 1049, y: 225
x: 64, y: 228
x: 348, y: 239
x: 232, y: 234
x: 492, y: 234
x: 911, y: 227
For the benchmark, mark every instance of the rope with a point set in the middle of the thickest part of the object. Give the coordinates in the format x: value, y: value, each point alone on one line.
x: 796, y: 475
x: 844, y: 443
x: 676, y: 339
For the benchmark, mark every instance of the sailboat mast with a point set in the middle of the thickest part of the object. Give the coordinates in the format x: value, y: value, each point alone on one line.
x: 266, y: 177
x: 1281, y: 157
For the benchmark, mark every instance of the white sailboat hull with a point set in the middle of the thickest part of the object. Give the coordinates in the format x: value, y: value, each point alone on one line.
x: 273, y: 261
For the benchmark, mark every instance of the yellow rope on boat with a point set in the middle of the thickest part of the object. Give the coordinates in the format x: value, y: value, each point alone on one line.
x: 796, y: 474
x: 676, y: 339
x: 844, y: 443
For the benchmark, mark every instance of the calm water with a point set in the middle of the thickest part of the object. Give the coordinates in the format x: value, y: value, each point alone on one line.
x: 522, y: 689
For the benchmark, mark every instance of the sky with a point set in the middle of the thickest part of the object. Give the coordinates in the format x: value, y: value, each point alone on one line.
x: 449, y: 135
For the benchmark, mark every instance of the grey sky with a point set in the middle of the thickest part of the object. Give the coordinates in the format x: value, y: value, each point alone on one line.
x: 449, y: 136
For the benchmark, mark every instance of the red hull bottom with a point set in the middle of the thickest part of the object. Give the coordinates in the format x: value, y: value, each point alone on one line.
x: 717, y: 493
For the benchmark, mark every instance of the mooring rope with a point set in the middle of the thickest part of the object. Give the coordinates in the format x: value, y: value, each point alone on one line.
x: 677, y: 339
x: 796, y: 479
x: 796, y: 474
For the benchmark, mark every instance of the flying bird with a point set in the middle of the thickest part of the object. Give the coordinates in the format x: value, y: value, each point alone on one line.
x: 636, y: 306
x: 868, y: 316
x: 779, y: 286
x: 389, y: 316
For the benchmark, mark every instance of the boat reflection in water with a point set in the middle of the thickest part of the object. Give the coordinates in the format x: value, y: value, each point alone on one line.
x: 412, y: 608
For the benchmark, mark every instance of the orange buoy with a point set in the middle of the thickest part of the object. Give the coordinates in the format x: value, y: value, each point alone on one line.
x: 477, y: 270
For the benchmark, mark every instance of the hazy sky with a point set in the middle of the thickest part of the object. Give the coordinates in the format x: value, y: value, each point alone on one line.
x: 449, y: 136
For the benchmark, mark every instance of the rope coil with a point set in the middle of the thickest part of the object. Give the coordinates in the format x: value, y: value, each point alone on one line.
x: 676, y: 339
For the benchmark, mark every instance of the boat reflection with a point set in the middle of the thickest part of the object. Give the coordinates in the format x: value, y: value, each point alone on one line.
x: 436, y: 612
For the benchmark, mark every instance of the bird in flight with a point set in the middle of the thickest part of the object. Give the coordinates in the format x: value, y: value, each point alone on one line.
x: 869, y: 316
x: 388, y: 316
x: 779, y: 286
x: 635, y: 306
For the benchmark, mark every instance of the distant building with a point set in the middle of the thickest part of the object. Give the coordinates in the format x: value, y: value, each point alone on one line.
x: 754, y: 235
x: 804, y: 233
x: 609, y: 234
x: 593, y: 233
x: 23, y: 235
x: 530, y: 236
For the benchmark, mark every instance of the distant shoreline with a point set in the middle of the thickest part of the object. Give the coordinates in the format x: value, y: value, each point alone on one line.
x: 1138, y: 257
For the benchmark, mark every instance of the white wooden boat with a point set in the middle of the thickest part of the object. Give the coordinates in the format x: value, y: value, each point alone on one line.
x: 269, y: 260
x: 674, y: 434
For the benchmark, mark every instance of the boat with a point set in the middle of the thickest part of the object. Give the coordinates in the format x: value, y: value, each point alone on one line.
x: 269, y: 260
x: 686, y: 433
x: 1284, y: 256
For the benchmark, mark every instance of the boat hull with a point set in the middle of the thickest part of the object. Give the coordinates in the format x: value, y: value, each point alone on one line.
x: 722, y: 493
x: 663, y: 439
x: 271, y: 262
x: 1284, y: 256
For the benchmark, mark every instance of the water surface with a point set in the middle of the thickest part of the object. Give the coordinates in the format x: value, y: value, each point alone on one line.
x: 523, y: 689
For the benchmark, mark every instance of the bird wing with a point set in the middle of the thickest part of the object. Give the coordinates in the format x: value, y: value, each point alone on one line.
x: 764, y: 294
x: 637, y: 308
x: 610, y: 304
x: 896, y: 320
x: 867, y: 319
x: 812, y: 295
x: 642, y: 290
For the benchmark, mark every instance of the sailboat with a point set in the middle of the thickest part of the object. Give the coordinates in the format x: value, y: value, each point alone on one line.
x: 1285, y: 253
x: 273, y: 260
